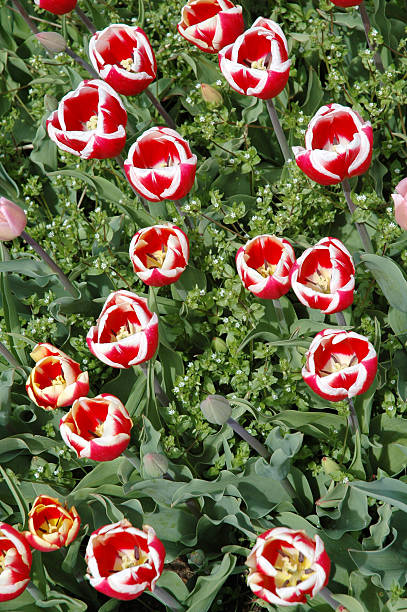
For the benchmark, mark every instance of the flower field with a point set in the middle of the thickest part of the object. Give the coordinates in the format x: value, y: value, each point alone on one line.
x: 203, y: 300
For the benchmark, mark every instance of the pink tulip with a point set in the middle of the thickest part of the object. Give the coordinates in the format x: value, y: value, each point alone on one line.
x: 400, y: 204
x: 12, y: 220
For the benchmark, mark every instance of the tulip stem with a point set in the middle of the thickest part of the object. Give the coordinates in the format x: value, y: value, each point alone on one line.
x: 251, y: 440
x: 82, y: 62
x: 367, y: 26
x: 165, y: 598
x: 282, y: 140
x: 158, y: 390
x: 326, y: 594
x: 361, y: 227
x: 34, y: 592
x: 353, y: 421
x: 25, y: 16
x: 168, y: 120
x: 85, y: 19
x: 280, y: 316
x: 51, y: 263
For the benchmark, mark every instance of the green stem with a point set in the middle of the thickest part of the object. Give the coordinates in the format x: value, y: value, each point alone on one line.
x: 282, y: 140
x: 10, y: 358
x: 166, y: 599
x: 280, y: 316
x: 251, y: 440
x: 158, y: 390
x: 367, y: 27
x: 326, y: 594
x: 82, y: 62
x: 51, y: 263
x: 168, y: 120
x: 361, y: 227
x: 85, y: 19
x: 25, y: 16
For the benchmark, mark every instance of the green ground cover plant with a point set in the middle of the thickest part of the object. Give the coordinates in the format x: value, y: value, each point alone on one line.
x: 267, y: 451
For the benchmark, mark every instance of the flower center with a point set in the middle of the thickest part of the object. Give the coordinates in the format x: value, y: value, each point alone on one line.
x: 92, y: 123
x: 59, y: 380
x: 259, y: 64
x: 129, y: 558
x: 51, y: 525
x: 292, y: 567
x: 167, y: 164
x: 320, y: 281
x: 267, y: 269
x: 125, y: 330
x: 127, y: 64
x: 336, y: 363
x: 156, y: 259
x: 2, y: 562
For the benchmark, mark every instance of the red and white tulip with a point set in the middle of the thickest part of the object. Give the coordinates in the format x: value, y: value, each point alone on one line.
x: 324, y: 276
x: 57, y: 7
x: 339, y: 364
x: 56, y: 380
x: 124, y: 561
x: 159, y: 254
x: 160, y: 165
x: 211, y: 24
x: 400, y: 204
x: 126, y: 332
x: 97, y: 428
x: 346, y: 3
x: 338, y: 145
x: 257, y: 63
x: 89, y: 122
x: 286, y: 565
x: 51, y: 525
x: 123, y: 57
x: 15, y: 563
x: 264, y: 265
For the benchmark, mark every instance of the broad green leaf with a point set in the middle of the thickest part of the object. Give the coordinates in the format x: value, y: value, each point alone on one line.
x: 207, y: 587
x: 389, y: 490
x: 390, y: 279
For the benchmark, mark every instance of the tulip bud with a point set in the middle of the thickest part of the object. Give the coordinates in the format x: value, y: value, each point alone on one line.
x: 219, y: 345
x: 52, y: 41
x: 50, y: 103
x: 12, y: 220
x: 216, y: 409
x: 155, y: 465
x: 211, y: 95
x: 330, y: 466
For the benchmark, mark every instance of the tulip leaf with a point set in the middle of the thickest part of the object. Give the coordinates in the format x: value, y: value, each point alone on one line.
x: 389, y: 278
x: 389, y: 490
x: 207, y: 587
x: 8, y: 187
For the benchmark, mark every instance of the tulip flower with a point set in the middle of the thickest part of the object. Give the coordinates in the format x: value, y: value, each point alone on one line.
x: 12, y: 220
x: 264, y: 265
x: 89, y: 122
x: 400, y: 204
x: 257, y: 63
x: 159, y: 254
x: 346, y: 3
x: 211, y: 24
x: 123, y: 57
x: 51, y: 525
x: 57, y: 7
x: 339, y: 364
x: 338, y: 145
x: 323, y: 277
x: 286, y: 565
x: 15, y: 563
x: 126, y: 332
x: 160, y: 165
x: 124, y: 561
x: 56, y: 380
x: 97, y: 428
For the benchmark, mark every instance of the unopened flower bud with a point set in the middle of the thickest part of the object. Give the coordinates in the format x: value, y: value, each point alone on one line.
x: 211, y: 95
x: 50, y: 103
x: 155, y: 465
x: 216, y: 409
x: 12, y: 220
x: 330, y: 466
x: 52, y: 41
x: 219, y: 345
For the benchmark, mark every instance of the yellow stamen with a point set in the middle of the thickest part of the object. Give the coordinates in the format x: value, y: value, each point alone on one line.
x: 59, y: 380
x: 259, y: 64
x: 2, y: 562
x: 130, y: 558
x: 292, y: 567
x: 267, y: 269
x: 126, y: 330
x: 50, y: 526
x: 337, y: 363
x: 156, y: 259
x: 99, y: 430
x: 127, y: 64
x: 320, y: 281
x: 92, y: 123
